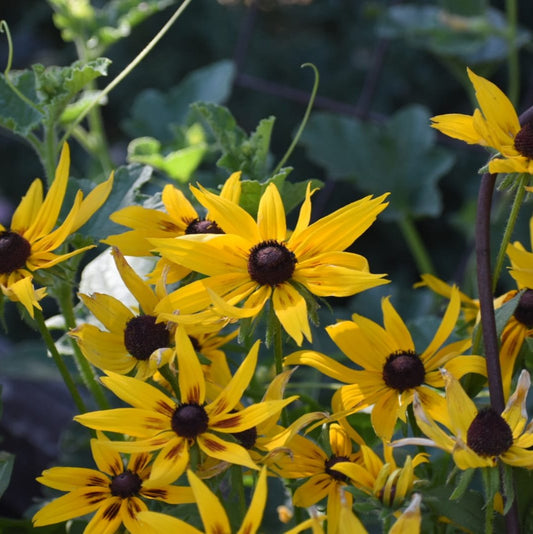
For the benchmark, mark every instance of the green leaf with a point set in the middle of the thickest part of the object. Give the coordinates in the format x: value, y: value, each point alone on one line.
x: 6, y: 467
x: 398, y: 156
x: 505, y: 312
x: 15, y: 114
x: 127, y: 185
x: 465, y: 478
x: 154, y: 112
x: 57, y: 86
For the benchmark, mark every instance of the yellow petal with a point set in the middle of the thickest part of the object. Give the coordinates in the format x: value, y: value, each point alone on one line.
x: 457, y: 126
x: 304, y: 215
x: 71, y: 478
x: 385, y: 414
x: 93, y: 203
x: 226, y: 451
x: 271, y: 215
x: 312, y: 491
x: 27, y: 208
x: 23, y: 291
x: 229, y: 216
x: 254, y: 515
x: 461, y: 408
x: 231, y: 189
x: 108, y: 310
x: 171, y: 462
x: 178, y: 206
x: 515, y: 412
x: 107, y: 460
x: 396, y: 327
x: 190, y: 377
x: 155, y: 523
x: 291, y: 310
x: 496, y: 107
x: 411, y: 519
x: 324, y: 364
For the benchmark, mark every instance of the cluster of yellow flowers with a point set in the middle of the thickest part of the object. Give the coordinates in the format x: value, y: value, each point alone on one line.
x: 188, y: 417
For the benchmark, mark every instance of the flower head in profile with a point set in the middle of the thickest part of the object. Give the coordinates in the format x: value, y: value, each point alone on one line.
x: 495, y: 125
x: 114, y: 491
x: 392, y: 369
x: 161, y: 423
x: 479, y: 437
x: 254, y: 262
x: 179, y: 218
x: 212, y: 513
x: 28, y: 244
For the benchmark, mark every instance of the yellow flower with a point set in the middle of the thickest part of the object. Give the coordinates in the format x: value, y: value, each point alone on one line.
x: 212, y: 512
x: 496, y: 126
x: 28, y: 245
x: 254, y: 262
x: 479, y: 438
x: 159, y: 422
x: 393, y: 371
x: 114, y: 491
x: 180, y: 219
x: 306, y: 459
x: 518, y: 327
x: 410, y: 520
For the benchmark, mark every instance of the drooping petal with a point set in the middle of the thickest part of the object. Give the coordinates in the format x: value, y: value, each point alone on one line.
x: 385, y: 414
x: 410, y: 520
x: 515, y: 412
x: 291, y: 310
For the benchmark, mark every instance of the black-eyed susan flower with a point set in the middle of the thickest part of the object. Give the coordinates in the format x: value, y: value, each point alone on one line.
x: 114, y: 491
x: 28, y: 245
x: 180, y: 218
x: 212, y: 513
x: 160, y: 422
x: 391, y: 484
x: 496, y: 126
x: 520, y: 324
x: 392, y: 369
x: 479, y: 437
x: 258, y: 261
x: 410, y: 521
x: 307, y: 460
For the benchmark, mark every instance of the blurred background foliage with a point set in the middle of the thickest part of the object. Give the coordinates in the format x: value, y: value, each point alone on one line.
x: 385, y: 68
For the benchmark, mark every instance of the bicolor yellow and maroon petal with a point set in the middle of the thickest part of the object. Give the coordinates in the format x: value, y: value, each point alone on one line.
x: 106, y: 459
x: 226, y: 451
x: 71, y: 478
x: 190, y: 377
x: 313, y: 490
x: 171, y: 462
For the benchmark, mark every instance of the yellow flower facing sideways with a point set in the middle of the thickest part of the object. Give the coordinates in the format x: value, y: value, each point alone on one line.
x: 161, y: 423
x: 254, y: 262
x: 28, y: 245
x: 495, y: 125
x: 115, y: 491
x: 180, y: 218
x: 391, y: 369
x: 479, y: 437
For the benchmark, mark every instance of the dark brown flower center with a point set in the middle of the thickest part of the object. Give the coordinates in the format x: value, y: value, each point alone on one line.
x: 14, y: 251
x: 246, y: 438
x: 189, y: 420
x: 489, y: 434
x: 143, y: 335
x: 202, y: 226
x: 125, y: 485
x: 403, y: 370
x: 336, y: 474
x: 524, y: 311
x: 523, y: 141
x: 271, y: 263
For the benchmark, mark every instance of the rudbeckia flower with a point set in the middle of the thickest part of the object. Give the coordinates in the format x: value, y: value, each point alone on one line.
x: 28, y: 245
x: 410, y: 521
x: 479, y: 437
x: 392, y: 369
x: 180, y: 218
x: 254, y: 262
x: 496, y: 126
x: 160, y: 422
x: 520, y: 324
x: 212, y: 512
x: 115, y: 491
x: 307, y: 459
x: 134, y: 340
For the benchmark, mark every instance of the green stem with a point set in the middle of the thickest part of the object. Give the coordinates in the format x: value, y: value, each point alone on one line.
x: 58, y: 360
x: 237, y: 485
x: 522, y: 181
x: 511, y: 10
x: 171, y: 378
x: 304, y: 120
x: 416, y: 246
x: 129, y: 68
x: 85, y: 369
